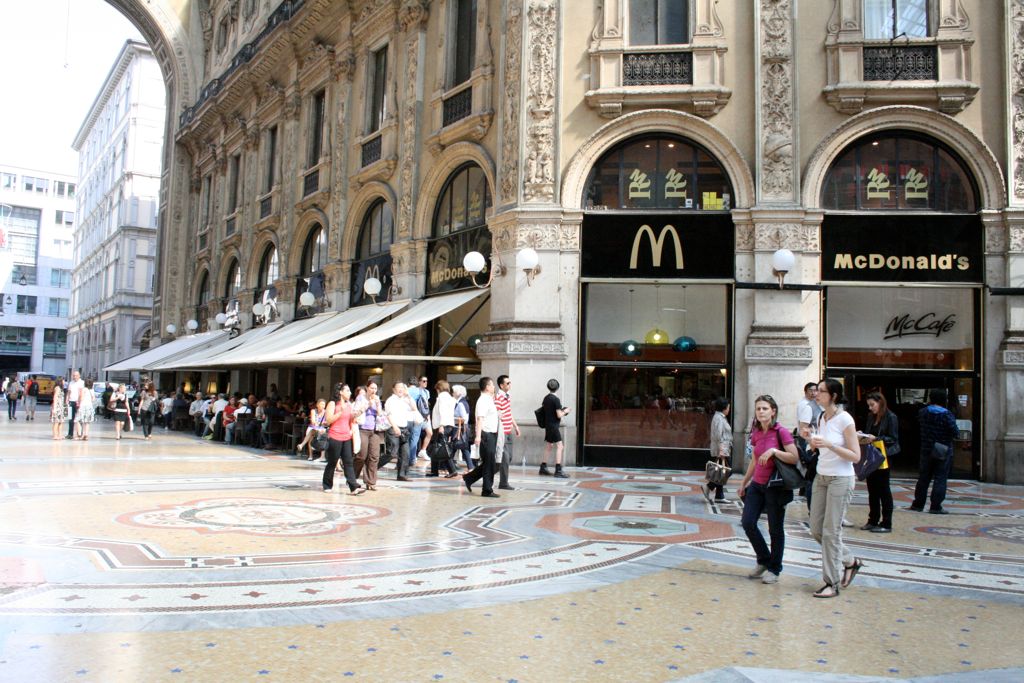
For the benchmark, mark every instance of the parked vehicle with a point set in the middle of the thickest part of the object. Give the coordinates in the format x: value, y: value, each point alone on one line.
x: 46, y: 383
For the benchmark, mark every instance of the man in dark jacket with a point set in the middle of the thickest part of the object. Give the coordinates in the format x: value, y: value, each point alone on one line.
x: 938, y: 426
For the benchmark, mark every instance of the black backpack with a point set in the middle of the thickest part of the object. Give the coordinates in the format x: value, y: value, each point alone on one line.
x: 422, y: 405
x: 542, y: 421
x: 33, y: 389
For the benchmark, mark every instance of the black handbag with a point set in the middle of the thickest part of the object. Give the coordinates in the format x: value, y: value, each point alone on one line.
x: 541, y: 418
x: 717, y: 473
x: 787, y: 476
x: 870, y: 460
x: 439, y: 449
x: 940, y: 452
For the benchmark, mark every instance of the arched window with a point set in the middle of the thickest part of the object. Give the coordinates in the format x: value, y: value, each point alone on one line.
x: 464, y: 201
x: 658, y: 172
x: 897, y: 171
x: 314, y: 251
x: 269, y: 271
x: 373, y: 251
x: 377, y: 231
x: 203, y: 293
x: 233, y: 281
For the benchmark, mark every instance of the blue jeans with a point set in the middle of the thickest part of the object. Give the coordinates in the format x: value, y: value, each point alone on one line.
x: 931, y: 471
x: 772, y: 501
x: 415, y: 431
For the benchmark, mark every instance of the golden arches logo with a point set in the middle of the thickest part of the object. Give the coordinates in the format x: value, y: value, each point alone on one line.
x: 657, y: 245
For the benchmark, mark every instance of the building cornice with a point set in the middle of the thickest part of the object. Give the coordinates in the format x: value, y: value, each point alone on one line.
x: 131, y: 49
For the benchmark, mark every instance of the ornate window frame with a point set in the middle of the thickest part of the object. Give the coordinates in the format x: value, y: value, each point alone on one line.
x: 472, y: 97
x: 849, y: 92
x: 704, y: 95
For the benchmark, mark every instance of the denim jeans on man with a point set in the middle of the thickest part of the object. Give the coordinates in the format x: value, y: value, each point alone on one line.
x: 772, y: 501
x: 936, y: 473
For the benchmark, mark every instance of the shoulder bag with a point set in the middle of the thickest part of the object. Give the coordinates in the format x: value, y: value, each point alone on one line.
x: 320, y: 441
x: 870, y: 460
x: 716, y: 472
x: 786, y: 475
x: 541, y: 418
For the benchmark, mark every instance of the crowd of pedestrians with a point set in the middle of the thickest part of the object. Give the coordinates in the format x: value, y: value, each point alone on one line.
x: 823, y: 451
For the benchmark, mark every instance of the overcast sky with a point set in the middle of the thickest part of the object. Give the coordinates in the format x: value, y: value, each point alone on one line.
x: 55, y: 68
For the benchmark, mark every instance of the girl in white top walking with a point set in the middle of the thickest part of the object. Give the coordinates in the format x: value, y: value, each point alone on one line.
x: 838, y: 449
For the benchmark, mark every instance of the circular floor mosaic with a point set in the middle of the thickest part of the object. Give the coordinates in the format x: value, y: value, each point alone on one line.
x: 259, y: 516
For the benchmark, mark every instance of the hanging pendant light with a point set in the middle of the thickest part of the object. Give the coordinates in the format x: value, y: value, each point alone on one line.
x: 631, y: 347
x: 657, y: 335
x: 685, y: 342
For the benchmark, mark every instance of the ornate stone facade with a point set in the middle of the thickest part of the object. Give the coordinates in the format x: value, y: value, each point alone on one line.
x: 511, y: 103
x: 542, y: 75
x: 777, y: 106
x: 1015, y: 58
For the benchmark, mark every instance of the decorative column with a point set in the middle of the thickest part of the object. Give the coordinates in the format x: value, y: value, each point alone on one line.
x: 533, y: 319
x: 782, y: 341
x: 1004, y: 255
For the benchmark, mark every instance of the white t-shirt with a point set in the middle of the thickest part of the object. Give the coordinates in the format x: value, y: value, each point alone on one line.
x: 806, y: 410
x: 487, y: 412
x: 829, y: 463
x: 397, y: 410
x: 75, y: 389
x: 168, y: 404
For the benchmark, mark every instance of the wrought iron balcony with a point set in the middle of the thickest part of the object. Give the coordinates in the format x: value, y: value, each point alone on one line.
x: 266, y: 204
x: 229, y: 227
x: 310, y: 183
x: 901, y: 63
x: 657, y: 68
x: 457, y: 107
x: 371, y: 151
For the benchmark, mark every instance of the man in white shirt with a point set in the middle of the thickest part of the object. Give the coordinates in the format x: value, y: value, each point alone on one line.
x: 75, y: 388
x: 808, y: 410
x: 399, y: 410
x: 195, y: 411
x: 216, y: 408
x: 487, y: 425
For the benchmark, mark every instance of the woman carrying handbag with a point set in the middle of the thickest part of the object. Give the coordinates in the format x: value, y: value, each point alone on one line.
x: 882, y: 429
x: 763, y: 492
x: 720, y: 448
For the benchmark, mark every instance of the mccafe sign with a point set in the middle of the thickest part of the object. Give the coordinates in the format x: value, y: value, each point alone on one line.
x: 901, y: 248
x: 657, y: 246
x: 444, y: 259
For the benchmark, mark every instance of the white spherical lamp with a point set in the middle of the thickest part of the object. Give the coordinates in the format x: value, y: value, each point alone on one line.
x: 527, y: 259
x: 258, y: 309
x: 172, y: 328
x: 221, y: 318
x: 474, y: 262
x: 192, y: 325
x: 783, y: 261
x: 372, y: 286
x: 306, y: 299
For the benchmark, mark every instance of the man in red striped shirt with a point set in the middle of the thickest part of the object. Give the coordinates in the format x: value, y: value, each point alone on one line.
x: 503, y: 403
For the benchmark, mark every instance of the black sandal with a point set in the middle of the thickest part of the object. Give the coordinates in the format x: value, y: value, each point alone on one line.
x: 827, y: 591
x: 850, y: 573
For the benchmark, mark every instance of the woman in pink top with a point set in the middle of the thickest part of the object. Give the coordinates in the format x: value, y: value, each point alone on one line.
x: 339, y: 439
x: 761, y: 492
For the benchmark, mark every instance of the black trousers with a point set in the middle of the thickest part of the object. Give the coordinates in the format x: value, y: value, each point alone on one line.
x: 146, y: 418
x: 485, y: 468
x: 398, y: 449
x: 72, y: 412
x: 444, y: 434
x: 879, y: 499
x: 340, y: 449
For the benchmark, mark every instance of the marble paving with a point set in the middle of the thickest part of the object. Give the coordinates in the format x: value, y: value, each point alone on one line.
x: 184, y: 560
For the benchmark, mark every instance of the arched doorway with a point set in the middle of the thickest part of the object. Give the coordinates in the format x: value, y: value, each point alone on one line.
x: 657, y: 267
x: 902, y: 261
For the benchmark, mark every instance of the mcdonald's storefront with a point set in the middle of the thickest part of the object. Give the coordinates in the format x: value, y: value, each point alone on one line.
x: 657, y: 272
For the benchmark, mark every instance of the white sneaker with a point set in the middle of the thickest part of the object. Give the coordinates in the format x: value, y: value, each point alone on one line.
x: 847, y: 523
x: 758, y: 572
x: 422, y: 455
x: 770, y: 577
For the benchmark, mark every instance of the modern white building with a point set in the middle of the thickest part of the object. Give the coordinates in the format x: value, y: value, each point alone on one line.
x: 37, y: 214
x: 119, y: 146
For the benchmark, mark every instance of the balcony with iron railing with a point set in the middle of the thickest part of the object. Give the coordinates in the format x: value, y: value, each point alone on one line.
x: 371, y: 151
x: 901, y: 63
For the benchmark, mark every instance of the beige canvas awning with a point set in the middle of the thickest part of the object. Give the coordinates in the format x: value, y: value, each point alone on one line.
x: 150, y: 358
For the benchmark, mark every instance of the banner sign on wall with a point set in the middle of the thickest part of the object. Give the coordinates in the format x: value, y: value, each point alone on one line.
x: 444, y: 259
x: 376, y: 266
x: 616, y: 245
x: 901, y: 248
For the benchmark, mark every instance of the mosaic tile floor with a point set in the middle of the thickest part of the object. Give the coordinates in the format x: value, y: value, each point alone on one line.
x: 180, y: 559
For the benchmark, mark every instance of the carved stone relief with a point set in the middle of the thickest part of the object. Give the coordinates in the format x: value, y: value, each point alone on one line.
x: 745, y: 237
x: 1017, y: 97
x: 792, y: 236
x: 995, y: 239
x: 539, y: 175
x: 777, y: 96
x: 413, y: 17
x: 510, y: 128
x: 1016, y: 240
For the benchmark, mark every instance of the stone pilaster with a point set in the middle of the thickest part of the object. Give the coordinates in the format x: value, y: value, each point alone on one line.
x: 413, y: 19
x: 1015, y: 90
